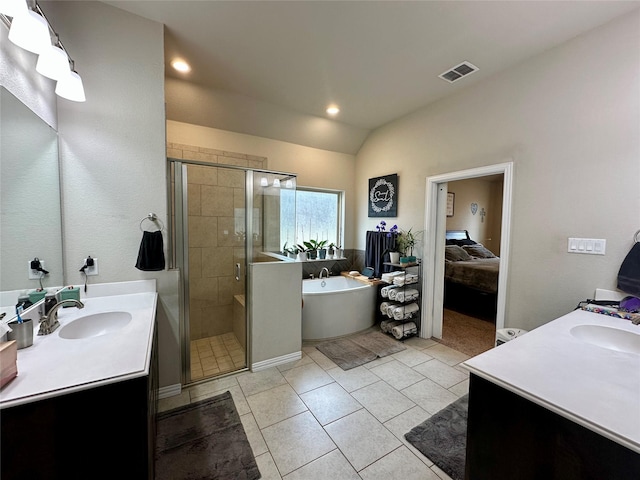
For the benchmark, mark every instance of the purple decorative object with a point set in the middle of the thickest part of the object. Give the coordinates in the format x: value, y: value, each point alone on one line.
x: 630, y: 304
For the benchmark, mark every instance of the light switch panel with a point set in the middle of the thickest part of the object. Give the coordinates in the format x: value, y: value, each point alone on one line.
x: 590, y: 246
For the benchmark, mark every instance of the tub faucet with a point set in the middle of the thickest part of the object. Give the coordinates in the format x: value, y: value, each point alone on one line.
x: 325, y: 269
x: 49, y: 322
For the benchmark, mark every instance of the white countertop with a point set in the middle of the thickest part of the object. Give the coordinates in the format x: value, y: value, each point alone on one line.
x: 593, y: 386
x: 55, y: 366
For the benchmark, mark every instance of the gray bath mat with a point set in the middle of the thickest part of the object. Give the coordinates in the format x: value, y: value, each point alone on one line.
x: 204, y: 440
x: 442, y: 438
x: 352, y: 352
x: 379, y: 343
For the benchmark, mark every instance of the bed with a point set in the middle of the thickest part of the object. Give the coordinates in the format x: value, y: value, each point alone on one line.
x: 469, y: 264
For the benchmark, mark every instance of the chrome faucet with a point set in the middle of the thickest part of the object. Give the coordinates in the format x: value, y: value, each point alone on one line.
x: 49, y: 322
x: 325, y: 269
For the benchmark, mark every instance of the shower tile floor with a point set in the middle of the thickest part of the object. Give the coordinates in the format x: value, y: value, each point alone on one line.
x: 216, y: 355
x: 311, y: 420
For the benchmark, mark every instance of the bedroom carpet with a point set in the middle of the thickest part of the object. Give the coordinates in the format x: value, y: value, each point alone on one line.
x: 204, y: 440
x: 466, y: 334
x: 352, y: 352
x: 442, y: 438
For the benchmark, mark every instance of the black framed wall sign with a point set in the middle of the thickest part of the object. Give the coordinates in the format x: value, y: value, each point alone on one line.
x: 383, y: 196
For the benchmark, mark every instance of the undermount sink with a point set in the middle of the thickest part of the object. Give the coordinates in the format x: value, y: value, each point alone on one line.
x: 607, y: 337
x: 95, y: 325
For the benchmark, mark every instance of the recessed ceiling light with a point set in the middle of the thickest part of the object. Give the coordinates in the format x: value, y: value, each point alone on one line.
x: 180, y: 65
x: 333, y: 110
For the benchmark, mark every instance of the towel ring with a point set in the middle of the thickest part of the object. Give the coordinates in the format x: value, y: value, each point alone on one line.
x: 152, y: 217
x: 636, y: 237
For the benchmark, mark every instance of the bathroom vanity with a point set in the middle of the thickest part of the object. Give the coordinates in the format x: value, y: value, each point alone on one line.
x: 560, y: 402
x: 84, y: 402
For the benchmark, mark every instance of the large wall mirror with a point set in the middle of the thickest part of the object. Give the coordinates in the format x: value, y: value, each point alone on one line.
x: 30, y: 213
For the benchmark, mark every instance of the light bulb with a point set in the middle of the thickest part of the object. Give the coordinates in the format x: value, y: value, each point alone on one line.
x: 53, y: 63
x: 333, y: 110
x: 13, y: 8
x: 70, y: 87
x: 181, y: 66
x: 276, y: 183
x: 30, y: 31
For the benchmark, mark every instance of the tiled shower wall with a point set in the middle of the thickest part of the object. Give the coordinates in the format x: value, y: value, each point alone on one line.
x: 213, y: 196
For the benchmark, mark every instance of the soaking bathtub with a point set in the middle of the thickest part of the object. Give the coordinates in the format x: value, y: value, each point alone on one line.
x: 336, y: 306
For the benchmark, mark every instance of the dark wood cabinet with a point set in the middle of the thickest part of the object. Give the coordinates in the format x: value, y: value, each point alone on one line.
x: 510, y: 437
x: 105, y: 432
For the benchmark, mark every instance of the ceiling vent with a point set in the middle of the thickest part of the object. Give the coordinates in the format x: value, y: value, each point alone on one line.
x: 459, y: 71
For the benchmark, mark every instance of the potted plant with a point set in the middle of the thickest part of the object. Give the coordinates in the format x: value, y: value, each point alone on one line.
x: 310, y: 248
x: 291, y: 252
x: 313, y: 248
x: 322, y: 250
x: 338, y: 252
x: 405, y: 241
x: 302, y: 253
x: 331, y: 250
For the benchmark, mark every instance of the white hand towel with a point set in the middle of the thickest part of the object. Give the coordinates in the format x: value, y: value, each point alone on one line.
x: 385, y: 291
x: 407, y: 279
x: 387, y: 325
x: 404, y: 330
x: 404, y: 312
x: 406, y: 295
x: 389, y: 276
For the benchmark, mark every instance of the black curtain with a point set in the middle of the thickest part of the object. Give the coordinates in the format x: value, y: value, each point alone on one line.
x: 377, y: 251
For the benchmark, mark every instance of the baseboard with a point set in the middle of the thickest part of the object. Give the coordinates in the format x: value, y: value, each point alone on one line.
x: 274, y: 362
x: 169, y: 390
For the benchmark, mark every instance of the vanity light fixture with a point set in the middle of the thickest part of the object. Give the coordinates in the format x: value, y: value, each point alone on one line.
x: 288, y: 184
x: 264, y: 182
x: 29, y: 29
x: 53, y: 63
x: 276, y: 182
x: 70, y: 87
x: 180, y: 65
x: 333, y: 110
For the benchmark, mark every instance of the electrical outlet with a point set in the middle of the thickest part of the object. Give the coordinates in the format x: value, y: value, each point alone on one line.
x: 93, y: 269
x: 35, y: 274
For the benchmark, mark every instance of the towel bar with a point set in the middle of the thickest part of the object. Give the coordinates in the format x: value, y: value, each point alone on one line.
x: 152, y: 217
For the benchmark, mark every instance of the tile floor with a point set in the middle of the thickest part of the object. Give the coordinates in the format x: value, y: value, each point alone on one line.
x: 312, y: 420
x: 216, y: 355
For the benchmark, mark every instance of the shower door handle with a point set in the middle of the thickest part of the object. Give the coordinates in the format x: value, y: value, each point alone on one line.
x: 237, y: 272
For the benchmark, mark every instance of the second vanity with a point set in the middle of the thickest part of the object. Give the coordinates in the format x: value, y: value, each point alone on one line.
x: 560, y: 402
x: 83, y: 403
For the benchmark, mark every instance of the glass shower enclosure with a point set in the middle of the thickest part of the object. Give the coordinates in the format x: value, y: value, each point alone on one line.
x: 223, y: 217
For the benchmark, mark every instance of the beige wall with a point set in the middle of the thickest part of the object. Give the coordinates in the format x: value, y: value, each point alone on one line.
x: 314, y: 167
x: 112, y: 150
x: 569, y: 120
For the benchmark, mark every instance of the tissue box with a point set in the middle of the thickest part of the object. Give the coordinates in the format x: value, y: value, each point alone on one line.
x: 69, y: 293
x: 8, y: 359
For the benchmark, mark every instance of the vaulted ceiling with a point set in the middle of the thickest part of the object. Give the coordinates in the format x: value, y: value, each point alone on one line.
x: 377, y: 60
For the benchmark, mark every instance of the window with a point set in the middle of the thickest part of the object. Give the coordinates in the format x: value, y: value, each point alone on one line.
x: 318, y: 216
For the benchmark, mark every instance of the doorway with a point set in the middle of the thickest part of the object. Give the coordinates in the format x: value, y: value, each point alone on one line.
x: 435, y: 231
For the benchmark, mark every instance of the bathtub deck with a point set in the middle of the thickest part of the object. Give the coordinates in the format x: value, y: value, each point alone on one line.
x: 362, y: 278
